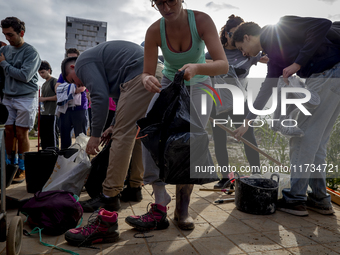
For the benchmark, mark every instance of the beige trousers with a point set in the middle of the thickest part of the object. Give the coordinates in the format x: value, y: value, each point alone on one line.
x: 132, y: 105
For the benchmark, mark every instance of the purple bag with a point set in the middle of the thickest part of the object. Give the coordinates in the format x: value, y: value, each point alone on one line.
x: 54, y: 212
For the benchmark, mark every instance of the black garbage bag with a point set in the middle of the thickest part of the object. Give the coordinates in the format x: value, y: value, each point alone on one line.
x: 175, y: 137
x: 98, y: 171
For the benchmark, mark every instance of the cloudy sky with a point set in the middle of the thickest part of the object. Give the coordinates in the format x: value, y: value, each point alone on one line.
x: 129, y: 19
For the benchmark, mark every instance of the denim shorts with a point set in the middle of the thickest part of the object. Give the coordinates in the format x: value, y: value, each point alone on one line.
x: 21, y: 110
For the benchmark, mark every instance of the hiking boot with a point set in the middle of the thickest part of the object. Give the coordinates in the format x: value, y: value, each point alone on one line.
x: 19, y: 176
x: 298, y: 208
x: 154, y: 219
x: 101, y: 228
x: 100, y: 201
x: 325, y: 210
x: 181, y: 214
x: 131, y: 194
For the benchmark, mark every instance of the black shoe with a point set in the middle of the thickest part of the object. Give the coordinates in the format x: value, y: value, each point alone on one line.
x: 221, y: 183
x: 131, y: 194
x: 325, y: 210
x: 298, y: 208
x: 110, y: 204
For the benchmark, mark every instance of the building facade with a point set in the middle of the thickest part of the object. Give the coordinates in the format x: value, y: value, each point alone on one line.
x: 83, y: 34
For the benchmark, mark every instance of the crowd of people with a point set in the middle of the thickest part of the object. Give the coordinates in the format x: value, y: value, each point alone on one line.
x: 119, y: 71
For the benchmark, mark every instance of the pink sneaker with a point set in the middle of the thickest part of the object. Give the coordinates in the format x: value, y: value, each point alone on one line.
x: 155, y: 218
x: 101, y: 228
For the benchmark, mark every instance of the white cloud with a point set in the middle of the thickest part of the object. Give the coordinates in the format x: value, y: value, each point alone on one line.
x: 45, y: 22
x: 220, y: 6
x: 129, y: 19
x: 335, y: 17
x: 328, y: 1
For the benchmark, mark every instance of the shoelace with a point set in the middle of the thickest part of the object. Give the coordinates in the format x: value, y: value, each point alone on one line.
x: 143, y: 217
x: 93, y: 220
x: 149, y: 212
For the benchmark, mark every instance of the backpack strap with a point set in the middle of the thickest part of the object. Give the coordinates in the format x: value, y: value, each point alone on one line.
x: 38, y: 230
x: 81, y: 219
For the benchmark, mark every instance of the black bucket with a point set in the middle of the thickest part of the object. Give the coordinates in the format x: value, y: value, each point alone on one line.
x: 256, y: 195
x: 39, y: 166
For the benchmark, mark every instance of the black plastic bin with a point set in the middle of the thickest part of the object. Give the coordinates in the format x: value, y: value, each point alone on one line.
x: 39, y: 166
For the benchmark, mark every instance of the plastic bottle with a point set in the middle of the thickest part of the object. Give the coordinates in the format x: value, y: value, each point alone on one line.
x: 42, y: 107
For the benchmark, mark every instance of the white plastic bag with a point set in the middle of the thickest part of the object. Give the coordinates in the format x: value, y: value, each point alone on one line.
x: 290, y: 129
x: 82, y: 141
x: 70, y: 174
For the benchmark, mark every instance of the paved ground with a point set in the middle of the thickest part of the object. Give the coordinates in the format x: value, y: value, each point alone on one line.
x: 220, y: 229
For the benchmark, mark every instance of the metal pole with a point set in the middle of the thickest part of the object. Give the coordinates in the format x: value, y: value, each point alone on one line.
x: 3, y: 169
x: 39, y: 121
x: 247, y: 143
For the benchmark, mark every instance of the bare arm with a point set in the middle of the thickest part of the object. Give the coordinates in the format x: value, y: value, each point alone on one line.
x: 43, y: 99
x: 152, y: 41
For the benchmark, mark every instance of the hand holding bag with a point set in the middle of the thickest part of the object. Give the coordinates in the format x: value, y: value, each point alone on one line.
x: 173, y: 133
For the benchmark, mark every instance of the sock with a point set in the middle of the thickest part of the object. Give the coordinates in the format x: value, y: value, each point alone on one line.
x: 106, y: 196
x: 161, y: 196
x: 16, y: 159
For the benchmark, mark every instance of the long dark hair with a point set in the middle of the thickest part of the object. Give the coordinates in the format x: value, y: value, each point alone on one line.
x: 233, y: 21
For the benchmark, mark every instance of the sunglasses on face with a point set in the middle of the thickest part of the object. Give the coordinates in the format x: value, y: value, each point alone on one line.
x: 160, y: 4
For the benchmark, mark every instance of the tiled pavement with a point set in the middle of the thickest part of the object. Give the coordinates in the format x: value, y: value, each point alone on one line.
x: 220, y: 229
